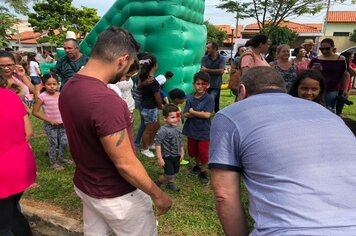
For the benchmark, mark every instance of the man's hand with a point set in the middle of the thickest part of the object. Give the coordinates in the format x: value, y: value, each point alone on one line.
x: 163, y: 203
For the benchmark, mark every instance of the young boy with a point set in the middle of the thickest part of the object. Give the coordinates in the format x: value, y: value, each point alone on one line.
x: 178, y: 97
x: 198, y: 111
x: 169, y: 148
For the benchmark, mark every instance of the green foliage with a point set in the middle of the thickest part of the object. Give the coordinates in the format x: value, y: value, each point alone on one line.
x: 214, y: 34
x: 19, y: 6
x: 279, y: 35
x: 273, y: 12
x: 7, y: 20
x: 57, y: 16
x: 353, y: 36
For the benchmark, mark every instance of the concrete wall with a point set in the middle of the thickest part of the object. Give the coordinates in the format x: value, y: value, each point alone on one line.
x: 341, y: 42
x: 339, y: 27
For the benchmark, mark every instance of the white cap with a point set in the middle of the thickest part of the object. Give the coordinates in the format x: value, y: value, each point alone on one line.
x: 70, y: 35
x: 161, y: 79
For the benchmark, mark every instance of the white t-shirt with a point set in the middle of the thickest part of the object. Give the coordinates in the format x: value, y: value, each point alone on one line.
x: 116, y: 89
x: 33, y: 66
x: 126, y: 90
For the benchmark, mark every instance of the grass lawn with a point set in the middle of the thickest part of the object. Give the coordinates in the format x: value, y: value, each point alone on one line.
x: 193, y: 211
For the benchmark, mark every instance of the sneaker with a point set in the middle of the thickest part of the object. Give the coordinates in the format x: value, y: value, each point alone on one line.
x: 147, y: 153
x: 65, y: 161
x: 173, y: 187
x: 195, y: 170
x: 184, y: 162
x: 55, y: 166
x: 152, y: 147
x: 203, y: 178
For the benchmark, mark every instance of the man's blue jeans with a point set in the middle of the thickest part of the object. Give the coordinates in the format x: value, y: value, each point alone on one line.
x: 215, y: 93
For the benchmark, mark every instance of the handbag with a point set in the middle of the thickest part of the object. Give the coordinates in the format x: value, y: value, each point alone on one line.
x: 236, y: 73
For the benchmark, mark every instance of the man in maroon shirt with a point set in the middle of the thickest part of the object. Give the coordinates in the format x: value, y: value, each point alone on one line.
x: 110, y: 180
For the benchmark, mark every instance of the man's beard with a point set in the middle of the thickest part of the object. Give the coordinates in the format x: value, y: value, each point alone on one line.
x: 117, y: 78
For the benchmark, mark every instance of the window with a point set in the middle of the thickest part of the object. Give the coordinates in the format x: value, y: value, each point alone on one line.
x: 347, y: 34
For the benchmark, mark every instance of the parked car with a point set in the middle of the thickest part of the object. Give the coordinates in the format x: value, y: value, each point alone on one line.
x: 227, y: 54
x: 350, y: 49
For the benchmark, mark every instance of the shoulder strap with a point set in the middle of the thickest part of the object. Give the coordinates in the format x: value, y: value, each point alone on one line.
x: 245, y: 54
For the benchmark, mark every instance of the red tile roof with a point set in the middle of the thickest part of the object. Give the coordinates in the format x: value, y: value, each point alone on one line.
x: 297, y: 27
x: 341, y: 17
x: 227, y: 28
x: 29, y: 37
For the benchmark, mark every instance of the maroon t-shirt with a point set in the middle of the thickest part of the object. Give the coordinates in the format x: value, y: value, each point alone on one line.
x: 89, y: 111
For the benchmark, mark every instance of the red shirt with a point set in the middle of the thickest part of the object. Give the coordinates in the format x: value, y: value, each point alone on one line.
x: 89, y: 111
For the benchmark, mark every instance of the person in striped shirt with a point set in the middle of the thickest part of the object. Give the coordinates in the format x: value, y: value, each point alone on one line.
x: 53, y: 124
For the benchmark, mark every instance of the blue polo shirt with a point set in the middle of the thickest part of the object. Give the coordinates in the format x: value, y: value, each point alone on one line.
x: 218, y: 63
x: 198, y: 128
x: 297, y: 160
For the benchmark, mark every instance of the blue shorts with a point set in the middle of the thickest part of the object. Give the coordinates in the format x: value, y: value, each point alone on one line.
x: 35, y: 80
x: 149, y: 115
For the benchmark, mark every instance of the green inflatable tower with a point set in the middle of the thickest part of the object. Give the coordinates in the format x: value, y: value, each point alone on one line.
x: 173, y: 30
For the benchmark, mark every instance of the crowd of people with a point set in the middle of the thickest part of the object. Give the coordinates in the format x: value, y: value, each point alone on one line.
x: 283, y: 147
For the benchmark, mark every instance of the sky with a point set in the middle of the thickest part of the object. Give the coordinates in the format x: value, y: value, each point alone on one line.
x: 220, y: 17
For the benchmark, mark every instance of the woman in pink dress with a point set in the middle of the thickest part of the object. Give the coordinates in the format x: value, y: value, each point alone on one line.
x: 17, y: 162
x: 300, y: 60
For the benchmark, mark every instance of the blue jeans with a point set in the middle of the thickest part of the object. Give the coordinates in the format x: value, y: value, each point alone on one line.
x: 215, y: 93
x: 142, y: 126
x: 330, y: 100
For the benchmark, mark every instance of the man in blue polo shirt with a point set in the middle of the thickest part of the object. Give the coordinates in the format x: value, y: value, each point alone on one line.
x: 296, y: 158
x: 214, y: 64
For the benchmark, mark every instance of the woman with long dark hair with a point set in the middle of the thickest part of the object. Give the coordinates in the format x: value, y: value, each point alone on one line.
x: 151, y: 103
x: 332, y: 67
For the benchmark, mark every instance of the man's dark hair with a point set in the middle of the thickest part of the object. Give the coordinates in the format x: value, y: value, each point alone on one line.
x: 75, y: 42
x: 202, y: 75
x: 169, y: 74
x: 168, y: 109
x: 113, y: 43
x: 258, y: 39
x: 215, y: 45
x: 260, y: 78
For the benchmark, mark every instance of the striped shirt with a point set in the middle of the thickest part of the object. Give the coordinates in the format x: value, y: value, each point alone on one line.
x: 50, y: 106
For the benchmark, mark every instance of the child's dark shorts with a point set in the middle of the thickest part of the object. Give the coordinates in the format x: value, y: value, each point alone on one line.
x: 171, y: 166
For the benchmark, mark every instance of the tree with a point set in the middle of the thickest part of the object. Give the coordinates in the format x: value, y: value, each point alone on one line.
x: 273, y: 12
x: 7, y: 20
x: 353, y: 36
x: 280, y: 35
x: 214, y: 34
x: 19, y: 6
x: 55, y: 17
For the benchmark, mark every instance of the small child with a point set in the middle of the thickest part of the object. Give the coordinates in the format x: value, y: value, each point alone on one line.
x: 169, y: 148
x: 178, y: 97
x: 309, y: 85
x: 53, y: 124
x: 198, y: 109
x: 162, y: 79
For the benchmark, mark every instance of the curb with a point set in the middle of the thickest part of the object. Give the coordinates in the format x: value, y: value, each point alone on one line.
x: 49, y: 222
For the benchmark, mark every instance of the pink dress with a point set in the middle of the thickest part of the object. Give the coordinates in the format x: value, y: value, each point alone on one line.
x: 17, y: 162
x: 251, y: 60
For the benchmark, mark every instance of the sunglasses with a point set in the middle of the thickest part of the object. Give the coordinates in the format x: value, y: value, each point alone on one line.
x: 325, y: 49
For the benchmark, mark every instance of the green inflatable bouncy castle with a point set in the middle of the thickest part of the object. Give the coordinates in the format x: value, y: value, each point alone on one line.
x: 172, y: 30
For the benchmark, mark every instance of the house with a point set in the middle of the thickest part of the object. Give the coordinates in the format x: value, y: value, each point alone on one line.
x: 233, y: 34
x: 305, y: 31
x: 339, y: 25
x: 26, y: 40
